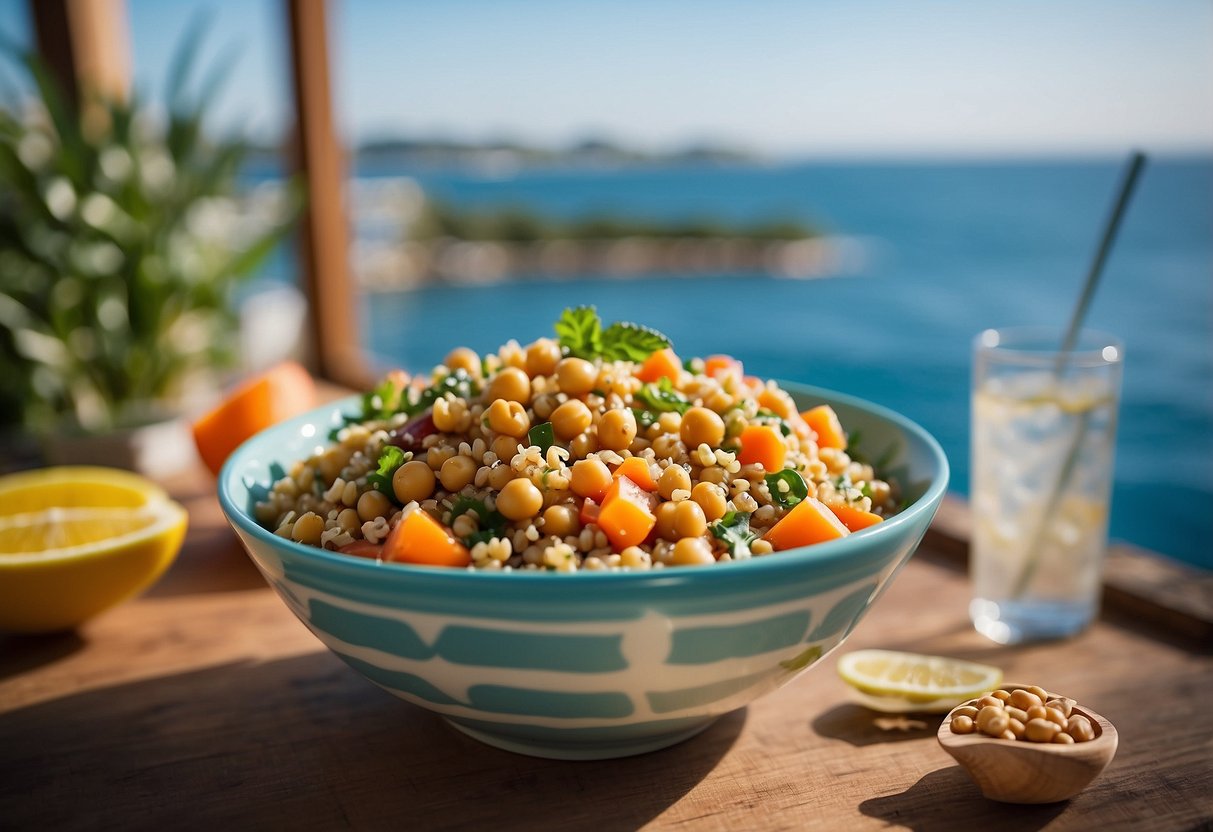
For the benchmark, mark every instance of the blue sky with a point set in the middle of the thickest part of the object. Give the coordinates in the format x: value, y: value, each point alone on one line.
x: 873, y: 77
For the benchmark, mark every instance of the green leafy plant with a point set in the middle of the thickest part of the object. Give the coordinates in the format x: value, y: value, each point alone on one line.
x: 120, y: 244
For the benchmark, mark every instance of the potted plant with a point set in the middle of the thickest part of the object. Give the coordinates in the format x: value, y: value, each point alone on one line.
x: 121, y: 240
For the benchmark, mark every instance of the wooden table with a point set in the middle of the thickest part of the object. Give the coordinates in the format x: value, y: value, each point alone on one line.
x: 205, y: 704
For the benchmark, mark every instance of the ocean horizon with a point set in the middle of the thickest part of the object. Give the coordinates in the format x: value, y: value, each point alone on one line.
x: 950, y: 248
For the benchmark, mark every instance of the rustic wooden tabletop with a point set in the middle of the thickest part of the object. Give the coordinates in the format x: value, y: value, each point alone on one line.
x: 205, y: 704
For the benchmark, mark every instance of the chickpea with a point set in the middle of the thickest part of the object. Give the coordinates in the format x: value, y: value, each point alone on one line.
x: 965, y: 710
x: 511, y: 384
x: 571, y: 418
x: 508, y: 418
x: 414, y: 480
x: 583, y: 444
x: 332, y: 461
x: 349, y: 521
x: 1017, y: 728
x: 457, y: 472
x: 437, y: 455
x: 692, y: 551
x: 1066, y: 706
x: 711, y: 499
x: 1077, y: 726
x: 1022, y: 715
x: 576, y: 376
x: 1041, y: 730
x: 992, y: 720
x: 519, y: 499
x: 373, y: 504
x: 561, y: 521
x: 1062, y: 738
x: 450, y: 416
x: 462, y: 358
x: 962, y: 724
x: 1039, y: 692
x: 1035, y: 712
x: 1054, y: 715
x: 689, y: 520
x: 499, y: 476
x: 589, y: 478
x: 505, y: 447
x: 617, y: 429
x: 667, y: 515
x: 634, y: 557
x: 308, y: 528
x: 1024, y: 699
x: 1001, y: 695
x: 699, y: 426
x: 992, y: 700
x: 542, y: 357
x: 673, y: 479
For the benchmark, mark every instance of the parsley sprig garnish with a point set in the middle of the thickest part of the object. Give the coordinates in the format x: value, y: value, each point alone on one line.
x: 581, y: 335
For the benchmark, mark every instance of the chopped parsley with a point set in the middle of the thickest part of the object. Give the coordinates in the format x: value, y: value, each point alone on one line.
x: 661, y: 397
x: 542, y: 436
x: 793, y: 488
x: 492, y: 523
x: 390, y: 459
x: 734, y: 531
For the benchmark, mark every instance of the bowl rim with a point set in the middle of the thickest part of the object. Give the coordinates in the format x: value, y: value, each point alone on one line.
x: 834, y: 552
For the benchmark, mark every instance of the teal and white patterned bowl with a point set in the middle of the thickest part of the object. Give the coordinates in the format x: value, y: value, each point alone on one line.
x: 588, y: 665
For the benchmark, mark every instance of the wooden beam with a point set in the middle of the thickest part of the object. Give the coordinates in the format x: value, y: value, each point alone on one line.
x: 85, y: 44
x: 324, y: 236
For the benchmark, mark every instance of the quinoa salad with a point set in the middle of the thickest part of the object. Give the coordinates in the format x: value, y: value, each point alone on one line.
x: 599, y: 449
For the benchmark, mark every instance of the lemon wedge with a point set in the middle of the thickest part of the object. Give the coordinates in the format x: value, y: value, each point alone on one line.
x: 77, y: 540
x: 888, y: 680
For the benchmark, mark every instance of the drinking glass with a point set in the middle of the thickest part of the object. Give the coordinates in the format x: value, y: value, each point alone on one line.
x: 1043, y: 435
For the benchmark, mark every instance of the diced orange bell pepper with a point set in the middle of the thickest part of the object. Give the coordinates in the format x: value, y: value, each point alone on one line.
x: 722, y: 367
x: 421, y: 539
x: 809, y: 522
x: 764, y: 444
x: 637, y: 470
x: 854, y: 518
x: 627, y: 515
x: 661, y: 364
x: 778, y: 402
x: 824, y: 422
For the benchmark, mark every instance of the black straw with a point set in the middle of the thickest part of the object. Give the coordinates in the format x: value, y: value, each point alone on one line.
x: 1132, y: 170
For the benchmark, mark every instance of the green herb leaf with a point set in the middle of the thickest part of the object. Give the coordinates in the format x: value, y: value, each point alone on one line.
x: 793, y: 491
x: 541, y: 435
x: 644, y: 418
x: 457, y: 382
x: 661, y: 397
x: 380, y: 402
x: 631, y: 342
x: 390, y: 458
x: 580, y: 332
x: 492, y: 523
x: 770, y: 416
x: 734, y: 530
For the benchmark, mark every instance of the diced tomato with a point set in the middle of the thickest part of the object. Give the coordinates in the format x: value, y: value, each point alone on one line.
x: 362, y: 549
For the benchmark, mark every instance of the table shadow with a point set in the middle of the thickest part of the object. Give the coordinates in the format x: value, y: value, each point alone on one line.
x: 862, y: 726
x: 944, y: 798
x: 19, y: 653
x: 305, y: 742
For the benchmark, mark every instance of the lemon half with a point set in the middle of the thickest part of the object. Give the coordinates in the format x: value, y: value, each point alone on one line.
x: 889, y: 680
x: 76, y: 540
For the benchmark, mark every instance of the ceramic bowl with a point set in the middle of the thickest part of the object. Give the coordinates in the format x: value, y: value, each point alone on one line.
x: 588, y: 665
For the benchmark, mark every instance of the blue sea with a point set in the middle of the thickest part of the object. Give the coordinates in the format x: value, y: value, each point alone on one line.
x: 952, y: 248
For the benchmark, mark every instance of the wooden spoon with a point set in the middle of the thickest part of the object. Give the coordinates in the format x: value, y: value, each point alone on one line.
x: 1018, y: 771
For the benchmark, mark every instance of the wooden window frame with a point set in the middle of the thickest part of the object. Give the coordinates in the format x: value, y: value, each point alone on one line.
x: 87, y: 41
